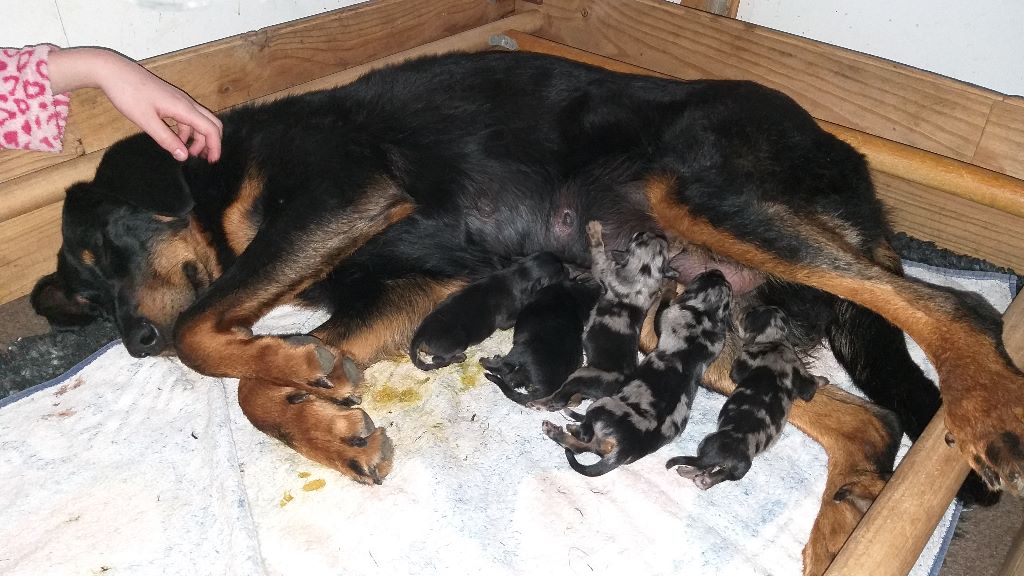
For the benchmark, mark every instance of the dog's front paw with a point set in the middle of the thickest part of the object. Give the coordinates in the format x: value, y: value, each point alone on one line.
x: 344, y: 439
x: 986, y: 422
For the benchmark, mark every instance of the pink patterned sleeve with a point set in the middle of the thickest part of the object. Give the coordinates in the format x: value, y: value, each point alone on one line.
x: 32, y: 117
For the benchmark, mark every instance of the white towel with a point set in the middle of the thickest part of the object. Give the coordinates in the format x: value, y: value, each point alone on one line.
x: 138, y: 467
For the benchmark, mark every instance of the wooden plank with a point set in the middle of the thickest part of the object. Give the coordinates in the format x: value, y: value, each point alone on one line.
x: 841, y: 86
x: 24, y: 261
x: 951, y: 222
x: 935, y: 171
x: 243, y: 67
x: 1002, y: 143
x: 28, y: 250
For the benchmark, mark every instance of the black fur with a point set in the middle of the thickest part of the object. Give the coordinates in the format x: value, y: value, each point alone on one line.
x: 472, y: 314
x: 547, y: 345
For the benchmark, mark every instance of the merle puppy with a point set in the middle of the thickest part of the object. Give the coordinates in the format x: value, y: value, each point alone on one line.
x: 547, y: 345
x: 472, y: 314
x: 654, y: 405
x: 769, y: 376
x: 630, y: 281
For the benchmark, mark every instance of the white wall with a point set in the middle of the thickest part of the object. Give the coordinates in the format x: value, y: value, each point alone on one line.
x: 978, y: 42
x: 144, y: 28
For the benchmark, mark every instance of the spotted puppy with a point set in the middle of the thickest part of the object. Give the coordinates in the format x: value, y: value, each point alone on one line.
x: 472, y: 314
x: 630, y: 281
x: 654, y: 405
x: 769, y: 377
x: 547, y: 345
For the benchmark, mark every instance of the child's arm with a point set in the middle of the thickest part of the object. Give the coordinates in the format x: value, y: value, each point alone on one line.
x: 141, y: 96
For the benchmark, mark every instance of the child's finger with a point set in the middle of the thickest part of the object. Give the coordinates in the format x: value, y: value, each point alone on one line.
x: 184, y: 133
x: 198, y: 143
x: 163, y: 135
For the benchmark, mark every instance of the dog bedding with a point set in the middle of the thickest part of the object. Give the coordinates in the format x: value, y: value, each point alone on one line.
x: 128, y: 466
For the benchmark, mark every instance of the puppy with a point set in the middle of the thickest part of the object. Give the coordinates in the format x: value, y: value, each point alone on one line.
x: 469, y: 316
x: 630, y: 281
x: 654, y: 406
x: 547, y: 345
x: 768, y: 376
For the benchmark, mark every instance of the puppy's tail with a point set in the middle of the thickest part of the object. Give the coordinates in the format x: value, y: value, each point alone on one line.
x: 603, y: 466
x: 688, y: 466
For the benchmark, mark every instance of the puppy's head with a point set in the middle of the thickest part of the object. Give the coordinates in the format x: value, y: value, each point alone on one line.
x: 764, y: 324
x: 701, y: 314
x: 129, y: 251
x: 640, y: 268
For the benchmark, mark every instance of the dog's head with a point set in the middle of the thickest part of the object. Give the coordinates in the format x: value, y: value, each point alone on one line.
x: 130, y: 250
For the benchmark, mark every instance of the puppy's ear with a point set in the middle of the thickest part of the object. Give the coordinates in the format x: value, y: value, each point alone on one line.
x: 137, y: 171
x: 52, y: 299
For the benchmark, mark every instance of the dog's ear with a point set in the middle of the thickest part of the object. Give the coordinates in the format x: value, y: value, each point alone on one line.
x: 139, y: 172
x: 52, y: 299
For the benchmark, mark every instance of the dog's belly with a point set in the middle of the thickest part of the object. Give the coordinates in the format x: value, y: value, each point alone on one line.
x: 689, y: 263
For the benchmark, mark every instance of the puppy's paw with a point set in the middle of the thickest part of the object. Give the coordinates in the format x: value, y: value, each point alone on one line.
x: 594, y: 233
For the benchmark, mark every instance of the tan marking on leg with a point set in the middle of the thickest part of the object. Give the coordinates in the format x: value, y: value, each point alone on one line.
x: 239, y: 218
x: 218, y: 342
x: 388, y: 334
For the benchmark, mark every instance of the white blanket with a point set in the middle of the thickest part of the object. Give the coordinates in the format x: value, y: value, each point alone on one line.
x: 138, y: 467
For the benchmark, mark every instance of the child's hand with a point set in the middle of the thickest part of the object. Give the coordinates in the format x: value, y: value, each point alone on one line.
x: 142, y: 97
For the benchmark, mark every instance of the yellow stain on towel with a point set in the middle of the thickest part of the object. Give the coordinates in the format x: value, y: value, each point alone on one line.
x: 469, y: 374
x: 387, y: 394
x: 314, y: 485
x: 286, y: 499
x: 303, y: 474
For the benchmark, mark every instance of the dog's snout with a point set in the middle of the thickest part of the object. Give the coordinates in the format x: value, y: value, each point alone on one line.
x: 144, y: 339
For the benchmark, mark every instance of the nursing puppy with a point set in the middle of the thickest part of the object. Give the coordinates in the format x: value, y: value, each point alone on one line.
x: 472, y: 314
x: 630, y: 281
x: 769, y: 377
x: 547, y: 345
x: 654, y: 406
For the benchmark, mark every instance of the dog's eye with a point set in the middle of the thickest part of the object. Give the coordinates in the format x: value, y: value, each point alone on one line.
x: 191, y: 271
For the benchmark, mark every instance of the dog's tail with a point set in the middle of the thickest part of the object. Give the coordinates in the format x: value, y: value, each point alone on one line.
x: 609, y: 462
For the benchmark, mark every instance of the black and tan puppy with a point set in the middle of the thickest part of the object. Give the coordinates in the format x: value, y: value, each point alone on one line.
x: 654, y: 405
x: 630, y: 282
x: 547, y: 345
x: 769, y: 376
x: 470, y: 315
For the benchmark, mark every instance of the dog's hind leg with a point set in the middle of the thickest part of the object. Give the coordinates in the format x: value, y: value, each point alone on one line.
x: 293, y: 250
x: 382, y: 328
x: 339, y: 437
x: 982, y: 390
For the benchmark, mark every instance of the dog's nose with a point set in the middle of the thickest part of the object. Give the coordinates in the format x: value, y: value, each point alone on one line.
x: 143, y: 340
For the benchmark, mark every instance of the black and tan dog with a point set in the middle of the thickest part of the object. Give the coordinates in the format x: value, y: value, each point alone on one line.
x: 469, y: 316
x: 377, y: 199
x: 653, y: 404
x: 769, y: 377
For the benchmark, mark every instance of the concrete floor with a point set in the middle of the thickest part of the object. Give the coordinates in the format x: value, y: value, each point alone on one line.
x: 982, y: 538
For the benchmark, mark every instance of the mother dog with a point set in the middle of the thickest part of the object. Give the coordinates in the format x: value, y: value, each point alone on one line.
x: 377, y: 199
